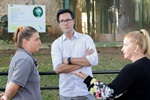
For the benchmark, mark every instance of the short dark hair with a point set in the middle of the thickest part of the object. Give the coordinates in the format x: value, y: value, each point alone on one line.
x: 62, y: 11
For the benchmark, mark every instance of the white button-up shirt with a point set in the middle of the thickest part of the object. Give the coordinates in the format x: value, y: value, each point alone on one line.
x: 71, y: 85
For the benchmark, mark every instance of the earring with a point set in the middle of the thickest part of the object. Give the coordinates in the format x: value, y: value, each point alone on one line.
x: 135, y: 52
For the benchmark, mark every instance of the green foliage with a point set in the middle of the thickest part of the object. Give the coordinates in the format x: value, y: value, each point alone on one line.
x: 5, y: 36
x: 4, y: 28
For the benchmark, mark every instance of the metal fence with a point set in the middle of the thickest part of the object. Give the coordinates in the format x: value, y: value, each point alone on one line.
x: 53, y: 73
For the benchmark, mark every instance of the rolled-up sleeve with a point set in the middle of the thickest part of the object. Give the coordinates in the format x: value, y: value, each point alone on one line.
x: 56, y: 55
x: 93, y: 59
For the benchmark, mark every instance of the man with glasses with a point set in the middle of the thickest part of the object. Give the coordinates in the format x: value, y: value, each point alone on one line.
x: 72, y: 52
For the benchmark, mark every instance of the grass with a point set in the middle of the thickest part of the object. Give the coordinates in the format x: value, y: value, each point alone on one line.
x: 108, y: 44
x: 107, y: 61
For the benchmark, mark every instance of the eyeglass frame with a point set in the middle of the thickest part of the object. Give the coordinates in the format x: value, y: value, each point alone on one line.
x: 65, y: 21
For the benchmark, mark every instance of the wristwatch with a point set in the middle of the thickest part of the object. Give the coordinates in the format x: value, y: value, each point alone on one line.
x: 69, y: 60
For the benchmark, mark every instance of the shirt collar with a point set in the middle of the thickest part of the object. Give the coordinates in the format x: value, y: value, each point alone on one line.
x: 74, y: 36
x: 35, y: 60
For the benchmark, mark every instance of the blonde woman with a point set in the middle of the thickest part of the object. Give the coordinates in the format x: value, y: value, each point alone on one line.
x: 133, y: 81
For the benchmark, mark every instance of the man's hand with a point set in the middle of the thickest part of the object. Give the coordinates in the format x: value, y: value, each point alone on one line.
x: 65, y: 61
x: 89, y: 52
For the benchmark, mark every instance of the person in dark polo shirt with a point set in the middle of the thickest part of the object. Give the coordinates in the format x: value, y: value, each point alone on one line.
x: 23, y: 77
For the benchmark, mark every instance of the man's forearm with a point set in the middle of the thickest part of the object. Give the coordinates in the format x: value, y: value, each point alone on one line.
x: 80, y: 61
x: 65, y: 68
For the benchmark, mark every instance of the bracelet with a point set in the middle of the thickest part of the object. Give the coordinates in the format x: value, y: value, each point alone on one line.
x: 69, y: 60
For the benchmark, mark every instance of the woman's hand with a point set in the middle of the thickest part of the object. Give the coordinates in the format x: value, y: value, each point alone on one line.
x: 80, y: 74
x: 1, y: 94
x: 3, y: 98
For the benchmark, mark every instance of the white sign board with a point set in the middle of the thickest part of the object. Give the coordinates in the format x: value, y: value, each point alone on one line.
x: 26, y: 15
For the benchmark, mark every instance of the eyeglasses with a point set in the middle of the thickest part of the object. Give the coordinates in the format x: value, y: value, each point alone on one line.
x: 67, y: 21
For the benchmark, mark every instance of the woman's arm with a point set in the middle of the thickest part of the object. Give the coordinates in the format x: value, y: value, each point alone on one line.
x: 98, y: 89
x: 11, y: 90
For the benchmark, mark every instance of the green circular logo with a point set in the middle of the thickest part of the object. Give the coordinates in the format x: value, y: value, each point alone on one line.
x: 38, y: 11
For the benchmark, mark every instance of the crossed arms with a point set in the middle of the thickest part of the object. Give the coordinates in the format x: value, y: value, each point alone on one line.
x: 77, y: 63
